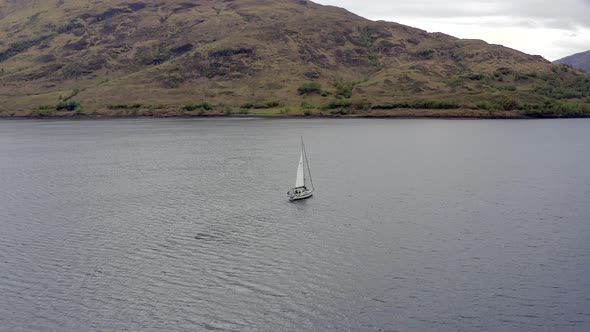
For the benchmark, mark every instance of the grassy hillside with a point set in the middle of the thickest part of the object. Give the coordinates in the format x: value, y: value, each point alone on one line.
x: 174, y: 57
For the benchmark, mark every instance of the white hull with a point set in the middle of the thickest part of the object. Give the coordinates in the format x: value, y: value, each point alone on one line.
x: 303, y: 195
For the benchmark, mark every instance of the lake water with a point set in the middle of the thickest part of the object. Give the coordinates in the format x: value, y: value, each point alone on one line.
x: 184, y: 225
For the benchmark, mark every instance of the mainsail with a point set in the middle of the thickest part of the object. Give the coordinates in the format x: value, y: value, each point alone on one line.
x: 300, y: 180
x: 301, y: 190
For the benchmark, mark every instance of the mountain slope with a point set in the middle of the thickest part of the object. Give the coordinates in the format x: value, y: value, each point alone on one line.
x: 578, y: 60
x: 118, y: 56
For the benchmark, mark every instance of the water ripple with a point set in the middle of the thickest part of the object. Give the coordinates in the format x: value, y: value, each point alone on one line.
x: 183, y: 225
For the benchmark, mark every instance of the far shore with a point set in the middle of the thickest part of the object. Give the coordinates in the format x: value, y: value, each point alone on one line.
x: 383, y: 114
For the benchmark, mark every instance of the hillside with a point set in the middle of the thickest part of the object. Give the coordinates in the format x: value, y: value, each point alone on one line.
x: 578, y: 60
x: 60, y: 57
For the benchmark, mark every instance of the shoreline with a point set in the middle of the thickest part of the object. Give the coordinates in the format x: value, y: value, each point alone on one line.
x: 285, y: 116
x: 400, y: 113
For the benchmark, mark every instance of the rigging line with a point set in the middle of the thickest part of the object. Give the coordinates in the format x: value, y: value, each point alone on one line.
x: 307, y: 164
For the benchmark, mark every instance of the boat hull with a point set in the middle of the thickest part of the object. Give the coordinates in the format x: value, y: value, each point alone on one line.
x: 302, y: 196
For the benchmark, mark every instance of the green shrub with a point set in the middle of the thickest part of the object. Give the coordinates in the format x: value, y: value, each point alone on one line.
x: 477, y: 77
x: 521, y: 77
x: 158, y: 56
x: 344, y: 89
x: 566, y: 93
x: 117, y: 106
x: 199, y: 106
x: 124, y: 106
x: 419, y: 104
x: 436, y: 104
x: 366, y: 37
x: 171, y: 82
x: 502, y: 71
x: 455, y: 82
x: 507, y: 104
x: 340, y: 111
x: 306, y: 105
x: 392, y: 105
x: 46, y: 108
x: 338, y: 103
x: 425, y: 54
x: 486, y: 105
x: 506, y: 87
x: 270, y: 104
x: 67, y: 27
x: 360, y: 105
x: 499, y: 103
x: 69, y: 105
x: 557, y: 108
x: 577, y: 88
x: 310, y: 88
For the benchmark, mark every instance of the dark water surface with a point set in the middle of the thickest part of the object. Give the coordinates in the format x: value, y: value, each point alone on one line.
x: 150, y: 225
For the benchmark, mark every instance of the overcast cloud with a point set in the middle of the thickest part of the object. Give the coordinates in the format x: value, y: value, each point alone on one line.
x: 553, y: 29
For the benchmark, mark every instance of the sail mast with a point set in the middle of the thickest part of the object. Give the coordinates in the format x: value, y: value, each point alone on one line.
x: 303, y: 156
x: 306, y: 162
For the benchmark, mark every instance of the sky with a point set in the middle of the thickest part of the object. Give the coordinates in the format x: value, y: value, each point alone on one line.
x: 550, y: 28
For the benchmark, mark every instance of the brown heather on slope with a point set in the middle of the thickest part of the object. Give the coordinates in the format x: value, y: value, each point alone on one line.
x: 155, y: 57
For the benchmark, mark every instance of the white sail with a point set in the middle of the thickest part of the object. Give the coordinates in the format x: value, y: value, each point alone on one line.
x: 301, y: 191
x: 300, y: 180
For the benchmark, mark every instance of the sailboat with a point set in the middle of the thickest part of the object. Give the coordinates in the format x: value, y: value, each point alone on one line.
x: 301, y: 191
